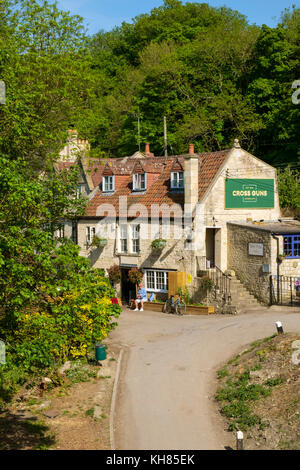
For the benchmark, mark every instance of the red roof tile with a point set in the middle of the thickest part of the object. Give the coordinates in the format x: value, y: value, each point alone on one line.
x: 158, y: 184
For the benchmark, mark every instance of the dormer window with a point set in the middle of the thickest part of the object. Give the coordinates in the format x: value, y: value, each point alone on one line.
x: 139, y: 181
x: 108, y: 183
x: 177, y: 180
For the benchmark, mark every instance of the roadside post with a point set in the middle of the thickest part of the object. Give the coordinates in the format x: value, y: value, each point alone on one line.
x: 279, y: 327
x: 239, y: 440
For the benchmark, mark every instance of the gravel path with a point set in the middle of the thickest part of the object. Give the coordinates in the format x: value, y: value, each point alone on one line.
x: 168, y: 375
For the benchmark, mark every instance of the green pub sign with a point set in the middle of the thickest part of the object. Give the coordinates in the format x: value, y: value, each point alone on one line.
x: 249, y: 193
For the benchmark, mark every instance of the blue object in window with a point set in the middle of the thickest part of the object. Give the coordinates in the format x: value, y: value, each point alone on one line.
x: 291, y: 246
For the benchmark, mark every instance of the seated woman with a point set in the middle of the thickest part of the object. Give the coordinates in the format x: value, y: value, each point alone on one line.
x: 141, y: 298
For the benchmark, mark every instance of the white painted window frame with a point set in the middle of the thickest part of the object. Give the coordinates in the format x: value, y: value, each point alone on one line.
x: 176, y: 180
x: 108, y: 182
x: 156, y: 289
x: 121, y: 237
x: 135, y: 235
x: 90, y: 232
x: 137, y: 182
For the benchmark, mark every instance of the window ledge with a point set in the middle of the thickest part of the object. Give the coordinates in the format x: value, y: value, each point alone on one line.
x: 177, y: 190
x: 133, y: 255
x: 157, y: 291
x: 107, y: 193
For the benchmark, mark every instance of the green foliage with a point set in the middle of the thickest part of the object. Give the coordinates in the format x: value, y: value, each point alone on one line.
x: 53, y: 305
x: 185, y: 294
x: 158, y: 243
x: 273, y: 382
x: 222, y: 373
x: 46, y: 68
x: 99, y: 242
x: 236, y: 397
x: 79, y: 372
x: 289, y: 187
x: 206, y: 284
x: 212, y: 74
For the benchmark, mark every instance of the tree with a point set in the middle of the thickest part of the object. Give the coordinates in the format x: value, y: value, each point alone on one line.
x: 53, y: 305
x: 277, y: 66
x: 289, y: 188
x: 46, y: 69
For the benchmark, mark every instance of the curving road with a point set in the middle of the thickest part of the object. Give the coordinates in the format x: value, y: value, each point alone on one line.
x: 168, y: 375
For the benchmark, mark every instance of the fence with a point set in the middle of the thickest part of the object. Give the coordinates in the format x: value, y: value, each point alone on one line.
x: 285, y: 290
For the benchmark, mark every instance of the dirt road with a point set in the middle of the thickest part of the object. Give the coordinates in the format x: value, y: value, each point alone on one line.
x: 168, y: 375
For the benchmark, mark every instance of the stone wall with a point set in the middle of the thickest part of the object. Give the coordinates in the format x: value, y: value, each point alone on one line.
x: 248, y: 268
x: 174, y: 256
x: 212, y: 212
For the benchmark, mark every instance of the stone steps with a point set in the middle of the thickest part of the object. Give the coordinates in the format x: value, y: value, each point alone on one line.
x: 242, y: 299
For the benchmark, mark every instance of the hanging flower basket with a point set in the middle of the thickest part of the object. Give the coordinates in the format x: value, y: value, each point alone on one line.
x: 280, y: 258
x: 114, y: 273
x: 158, y: 244
x: 98, y: 242
x: 135, y: 276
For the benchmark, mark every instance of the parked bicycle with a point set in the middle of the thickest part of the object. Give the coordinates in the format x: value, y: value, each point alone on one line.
x: 177, y: 307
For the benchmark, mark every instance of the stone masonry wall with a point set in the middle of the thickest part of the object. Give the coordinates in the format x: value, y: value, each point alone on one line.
x: 174, y: 256
x: 240, y: 164
x: 248, y: 268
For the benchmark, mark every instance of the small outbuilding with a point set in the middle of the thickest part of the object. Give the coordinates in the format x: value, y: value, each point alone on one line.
x: 266, y: 258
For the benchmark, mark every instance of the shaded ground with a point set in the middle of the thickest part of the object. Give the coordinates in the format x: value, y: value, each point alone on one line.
x: 79, y: 412
x: 23, y: 431
x: 260, y: 393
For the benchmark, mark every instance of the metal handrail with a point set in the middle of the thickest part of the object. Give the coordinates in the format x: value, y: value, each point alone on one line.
x: 222, y: 283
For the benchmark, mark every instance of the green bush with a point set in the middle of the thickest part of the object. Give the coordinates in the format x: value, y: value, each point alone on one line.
x: 53, y: 305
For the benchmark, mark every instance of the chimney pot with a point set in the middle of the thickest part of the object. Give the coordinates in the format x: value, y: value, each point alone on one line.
x: 147, y: 148
x: 191, y: 149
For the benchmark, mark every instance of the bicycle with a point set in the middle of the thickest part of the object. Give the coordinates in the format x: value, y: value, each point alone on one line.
x: 177, y: 307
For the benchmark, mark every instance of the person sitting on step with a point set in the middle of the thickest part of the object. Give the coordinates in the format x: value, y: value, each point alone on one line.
x: 141, y: 298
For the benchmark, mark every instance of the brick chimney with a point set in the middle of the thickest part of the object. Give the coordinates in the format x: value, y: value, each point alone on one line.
x: 147, y: 150
x: 191, y: 188
x: 191, y: 149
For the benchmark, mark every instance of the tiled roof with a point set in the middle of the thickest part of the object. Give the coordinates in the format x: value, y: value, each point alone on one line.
x: 64, y: 165
x: 158, y: 171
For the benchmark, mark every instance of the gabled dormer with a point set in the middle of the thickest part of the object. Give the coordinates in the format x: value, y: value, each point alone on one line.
x: 108, y: 179
x: 177, y: 176
x: 139, y: 177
